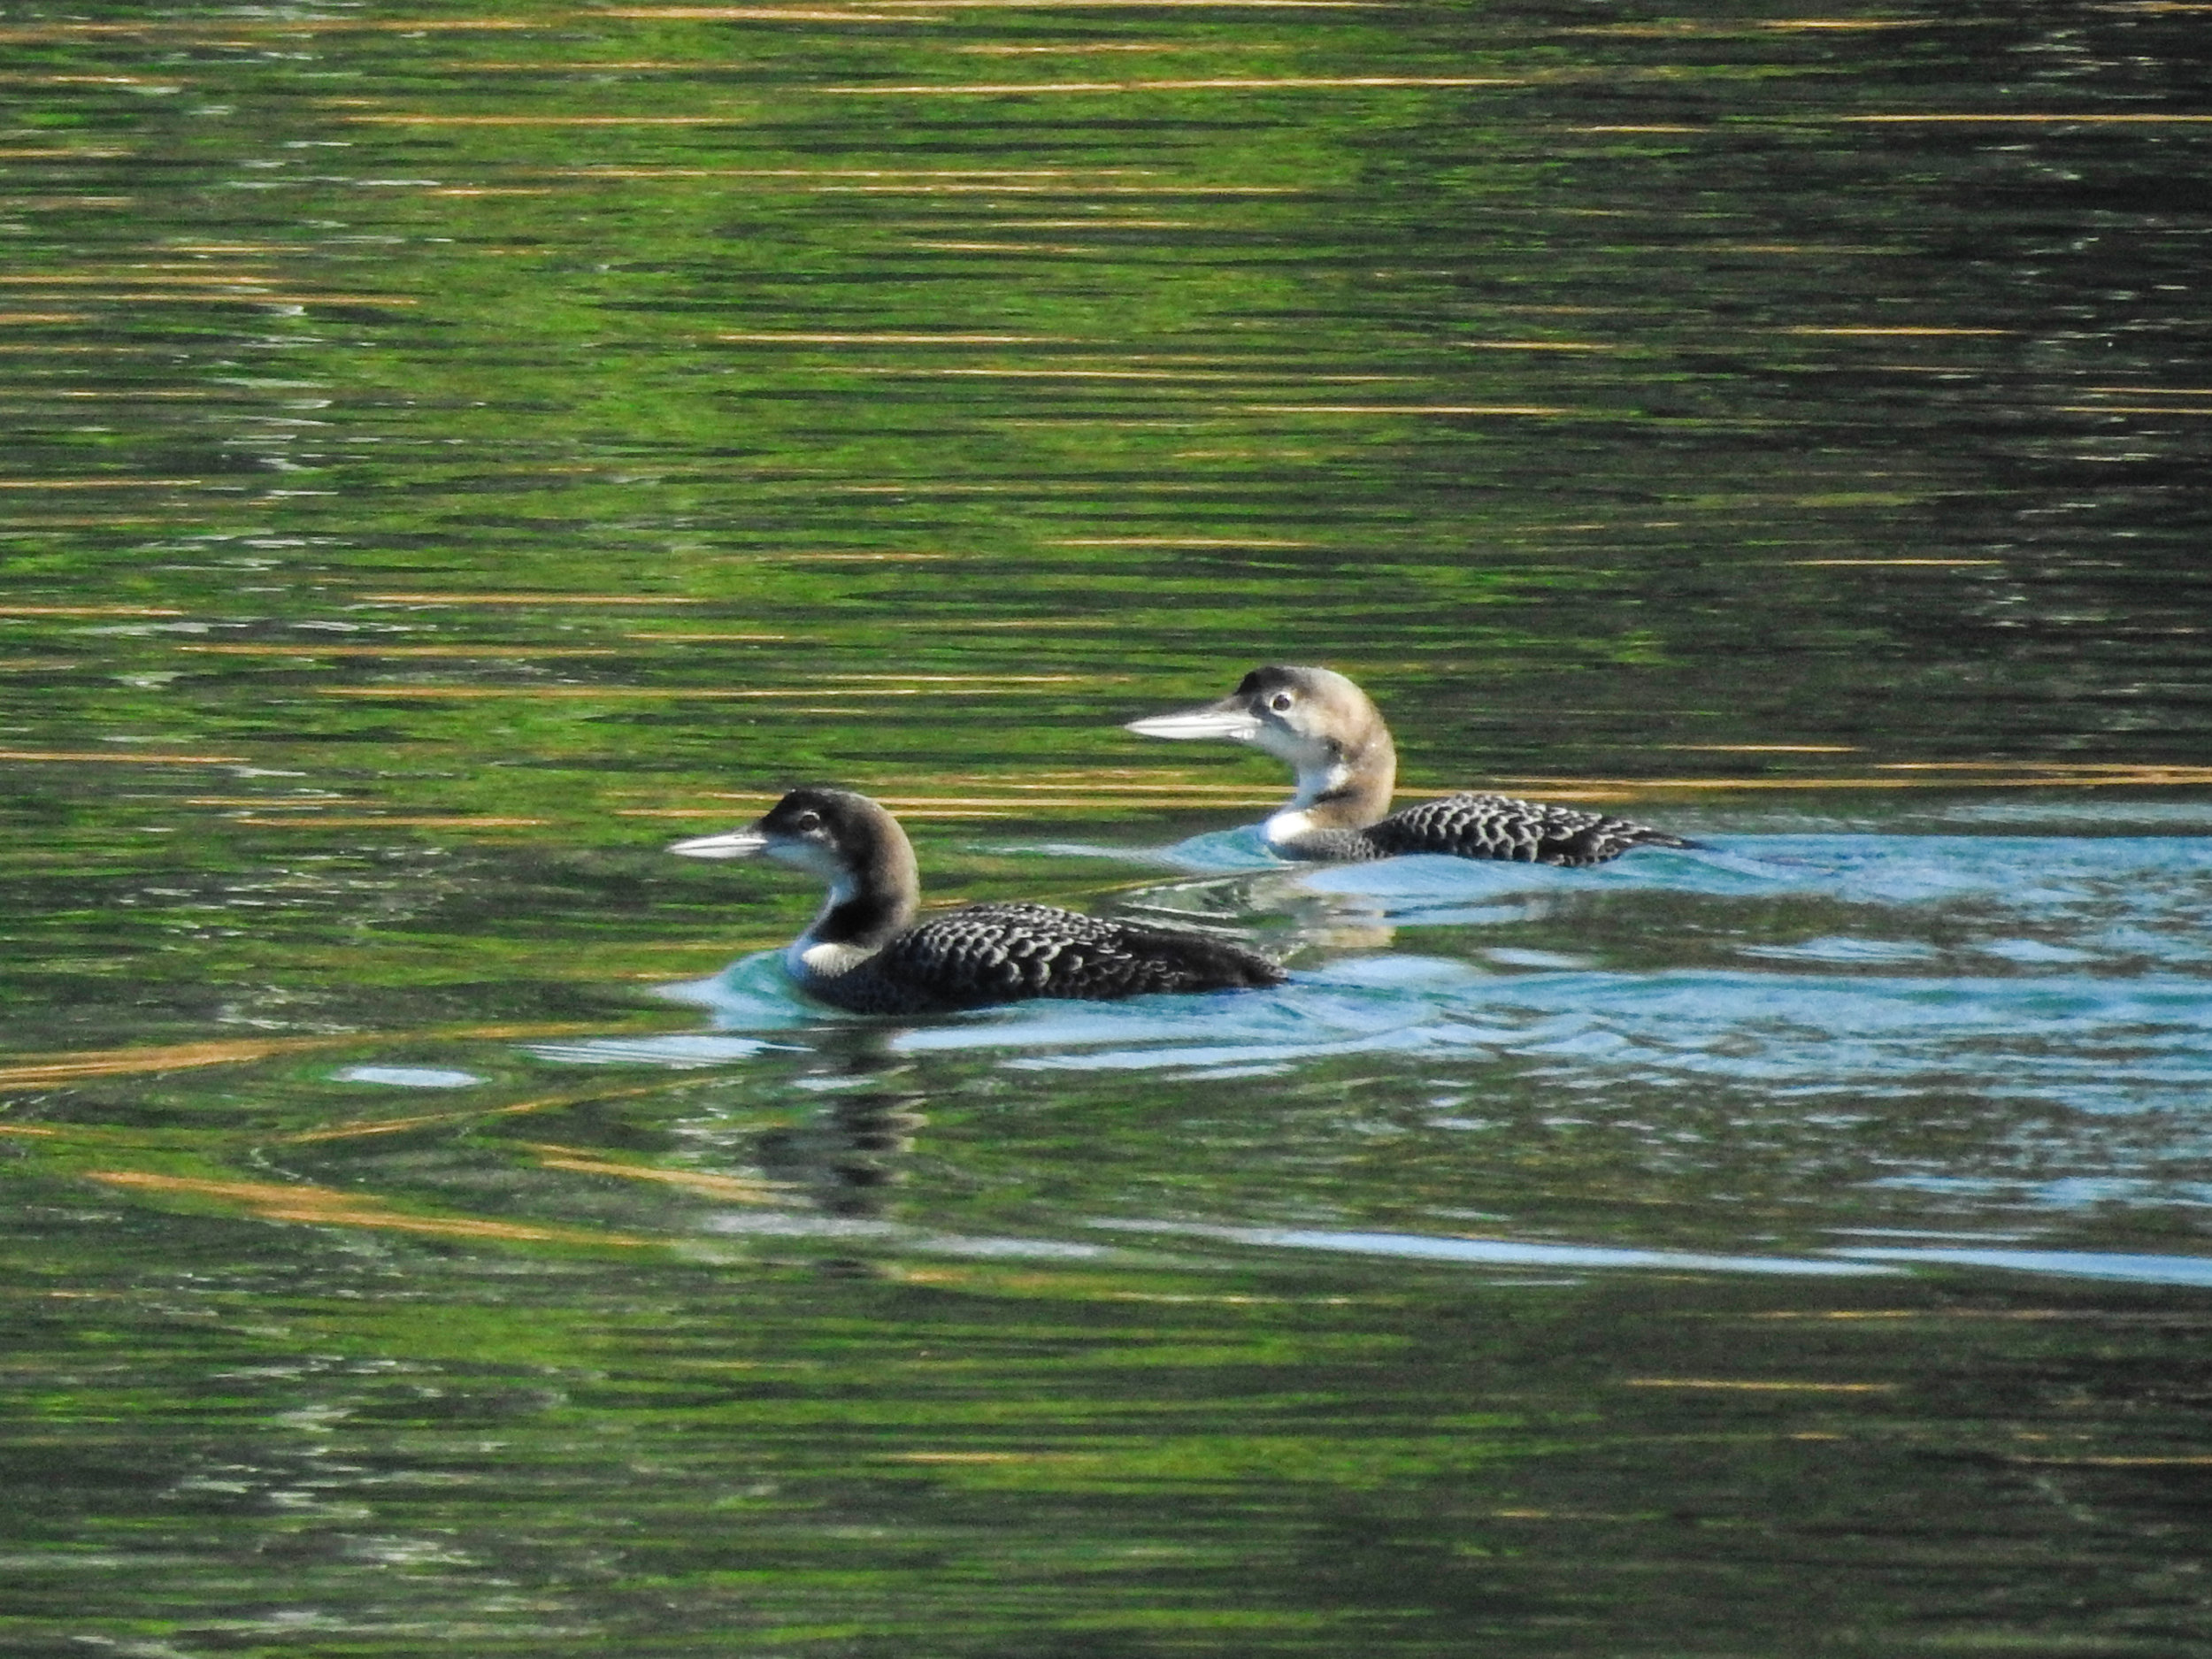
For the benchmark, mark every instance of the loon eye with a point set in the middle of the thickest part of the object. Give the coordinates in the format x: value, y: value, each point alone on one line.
x: 807, y: 821
x: 1280, y: 702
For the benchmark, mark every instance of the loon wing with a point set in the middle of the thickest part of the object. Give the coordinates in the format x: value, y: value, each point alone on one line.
x: 1003, y: 953
x: 1527, y: 832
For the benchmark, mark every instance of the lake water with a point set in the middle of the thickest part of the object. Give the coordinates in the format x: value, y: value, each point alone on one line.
x: 455, y: 452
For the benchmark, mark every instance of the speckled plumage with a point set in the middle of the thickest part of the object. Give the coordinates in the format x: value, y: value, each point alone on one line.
x: 986, y: 954
x: 1334, y: 737
x: 865, y: 952
x: 1498, y: 826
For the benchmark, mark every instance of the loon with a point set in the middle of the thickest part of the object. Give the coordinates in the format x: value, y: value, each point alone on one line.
x: 1325, y: 726
x: 864, y: 952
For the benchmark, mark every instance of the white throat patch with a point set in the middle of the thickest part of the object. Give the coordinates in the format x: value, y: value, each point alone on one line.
x: 807, y: 958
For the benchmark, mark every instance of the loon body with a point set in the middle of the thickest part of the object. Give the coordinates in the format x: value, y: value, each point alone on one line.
x: 863, y: 951
x: 1329, y: 730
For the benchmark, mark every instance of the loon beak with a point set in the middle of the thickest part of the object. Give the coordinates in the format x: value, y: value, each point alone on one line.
x: 1228, y: 719
x: 740, y: 843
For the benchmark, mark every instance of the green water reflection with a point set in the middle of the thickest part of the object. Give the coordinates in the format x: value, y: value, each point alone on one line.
x: 455, y: 451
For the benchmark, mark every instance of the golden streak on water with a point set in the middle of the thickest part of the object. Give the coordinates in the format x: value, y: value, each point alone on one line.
x: 1170, y: 542
x: 1220, y: 83
x: 2123, y: 409
x: 466, y: 66
x: 61, y: 1067
x: 996, y: 247
x: 1105, y: 781
x: 2189, y: 1462
x: 1072, y: 47
x: 1095, y: 224
x: 1760, y: 1387
x: 1931, y: 564
x: 983, y: 1457
x: 999, y: 174
x: 1054, y: 189
x: 1540, y: 410
x: 396, y: 119
x: 185, y: 275
x: 1088, y: 802
x: 1038, y: 374
x: 231, y: 26
x: 372, y: 821
x: 971, y: 624
x: 668, y: 693
x: 397, y: 650
x: 2056, y: 118
x: 2004, y: 775
x: 121, y: 757
x: 732, y: 1187
x: 172, y: 297
x: 905, y: 9
x: 1139, y: 5
x: 1892, y: 333
x: 1539, y: 345
x: 516, y: 1109
x: 184, y: 1056
x: 1691, y: 30
x: 328, y: 1207
x: 90, y: 610
x: 301, y: 802
x: 101, y: 483
x: 527, y: 599
x: 77, y: 349
x: 2123, y: 769
x: 1000, y: 806
x: 751, y: 14
x: 1000, y: 373
x: 1101, y: 777
x: 1766, y: 749
x: 893, y: 340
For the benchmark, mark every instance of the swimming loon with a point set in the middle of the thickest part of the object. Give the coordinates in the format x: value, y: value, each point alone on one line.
x: 864, y: 953
x: 1325, y: 726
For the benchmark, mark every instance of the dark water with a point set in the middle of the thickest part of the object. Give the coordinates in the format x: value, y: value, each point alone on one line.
x: 455, y: 452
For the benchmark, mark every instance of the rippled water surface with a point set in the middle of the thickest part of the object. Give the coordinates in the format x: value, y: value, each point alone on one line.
x: 455, y: 452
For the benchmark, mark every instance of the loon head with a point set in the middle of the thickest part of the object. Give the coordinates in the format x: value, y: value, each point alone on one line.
x: 848, y: 842
x: 1319, y: 722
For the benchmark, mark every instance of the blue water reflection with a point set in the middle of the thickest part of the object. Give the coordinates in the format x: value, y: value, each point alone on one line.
x: 2134, y: 1268
x: 2057, y: 969
x: 1949, y: 1029
x: 2127, y: 1267
x: 1501, y: 1252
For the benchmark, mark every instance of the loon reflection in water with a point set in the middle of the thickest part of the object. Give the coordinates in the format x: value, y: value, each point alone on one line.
x: 1333, y: 735
x: 863, y: 951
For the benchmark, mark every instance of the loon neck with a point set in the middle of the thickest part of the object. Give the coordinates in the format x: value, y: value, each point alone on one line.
x: 868, y: 906
x: 1347, y: 789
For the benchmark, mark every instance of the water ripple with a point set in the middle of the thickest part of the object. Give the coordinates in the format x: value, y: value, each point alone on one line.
x: 2057, y: 969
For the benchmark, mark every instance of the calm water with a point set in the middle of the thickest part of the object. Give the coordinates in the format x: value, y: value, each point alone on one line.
x: 455, y: 452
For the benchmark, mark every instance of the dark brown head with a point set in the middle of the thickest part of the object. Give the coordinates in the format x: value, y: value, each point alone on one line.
x: 847, y: 841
